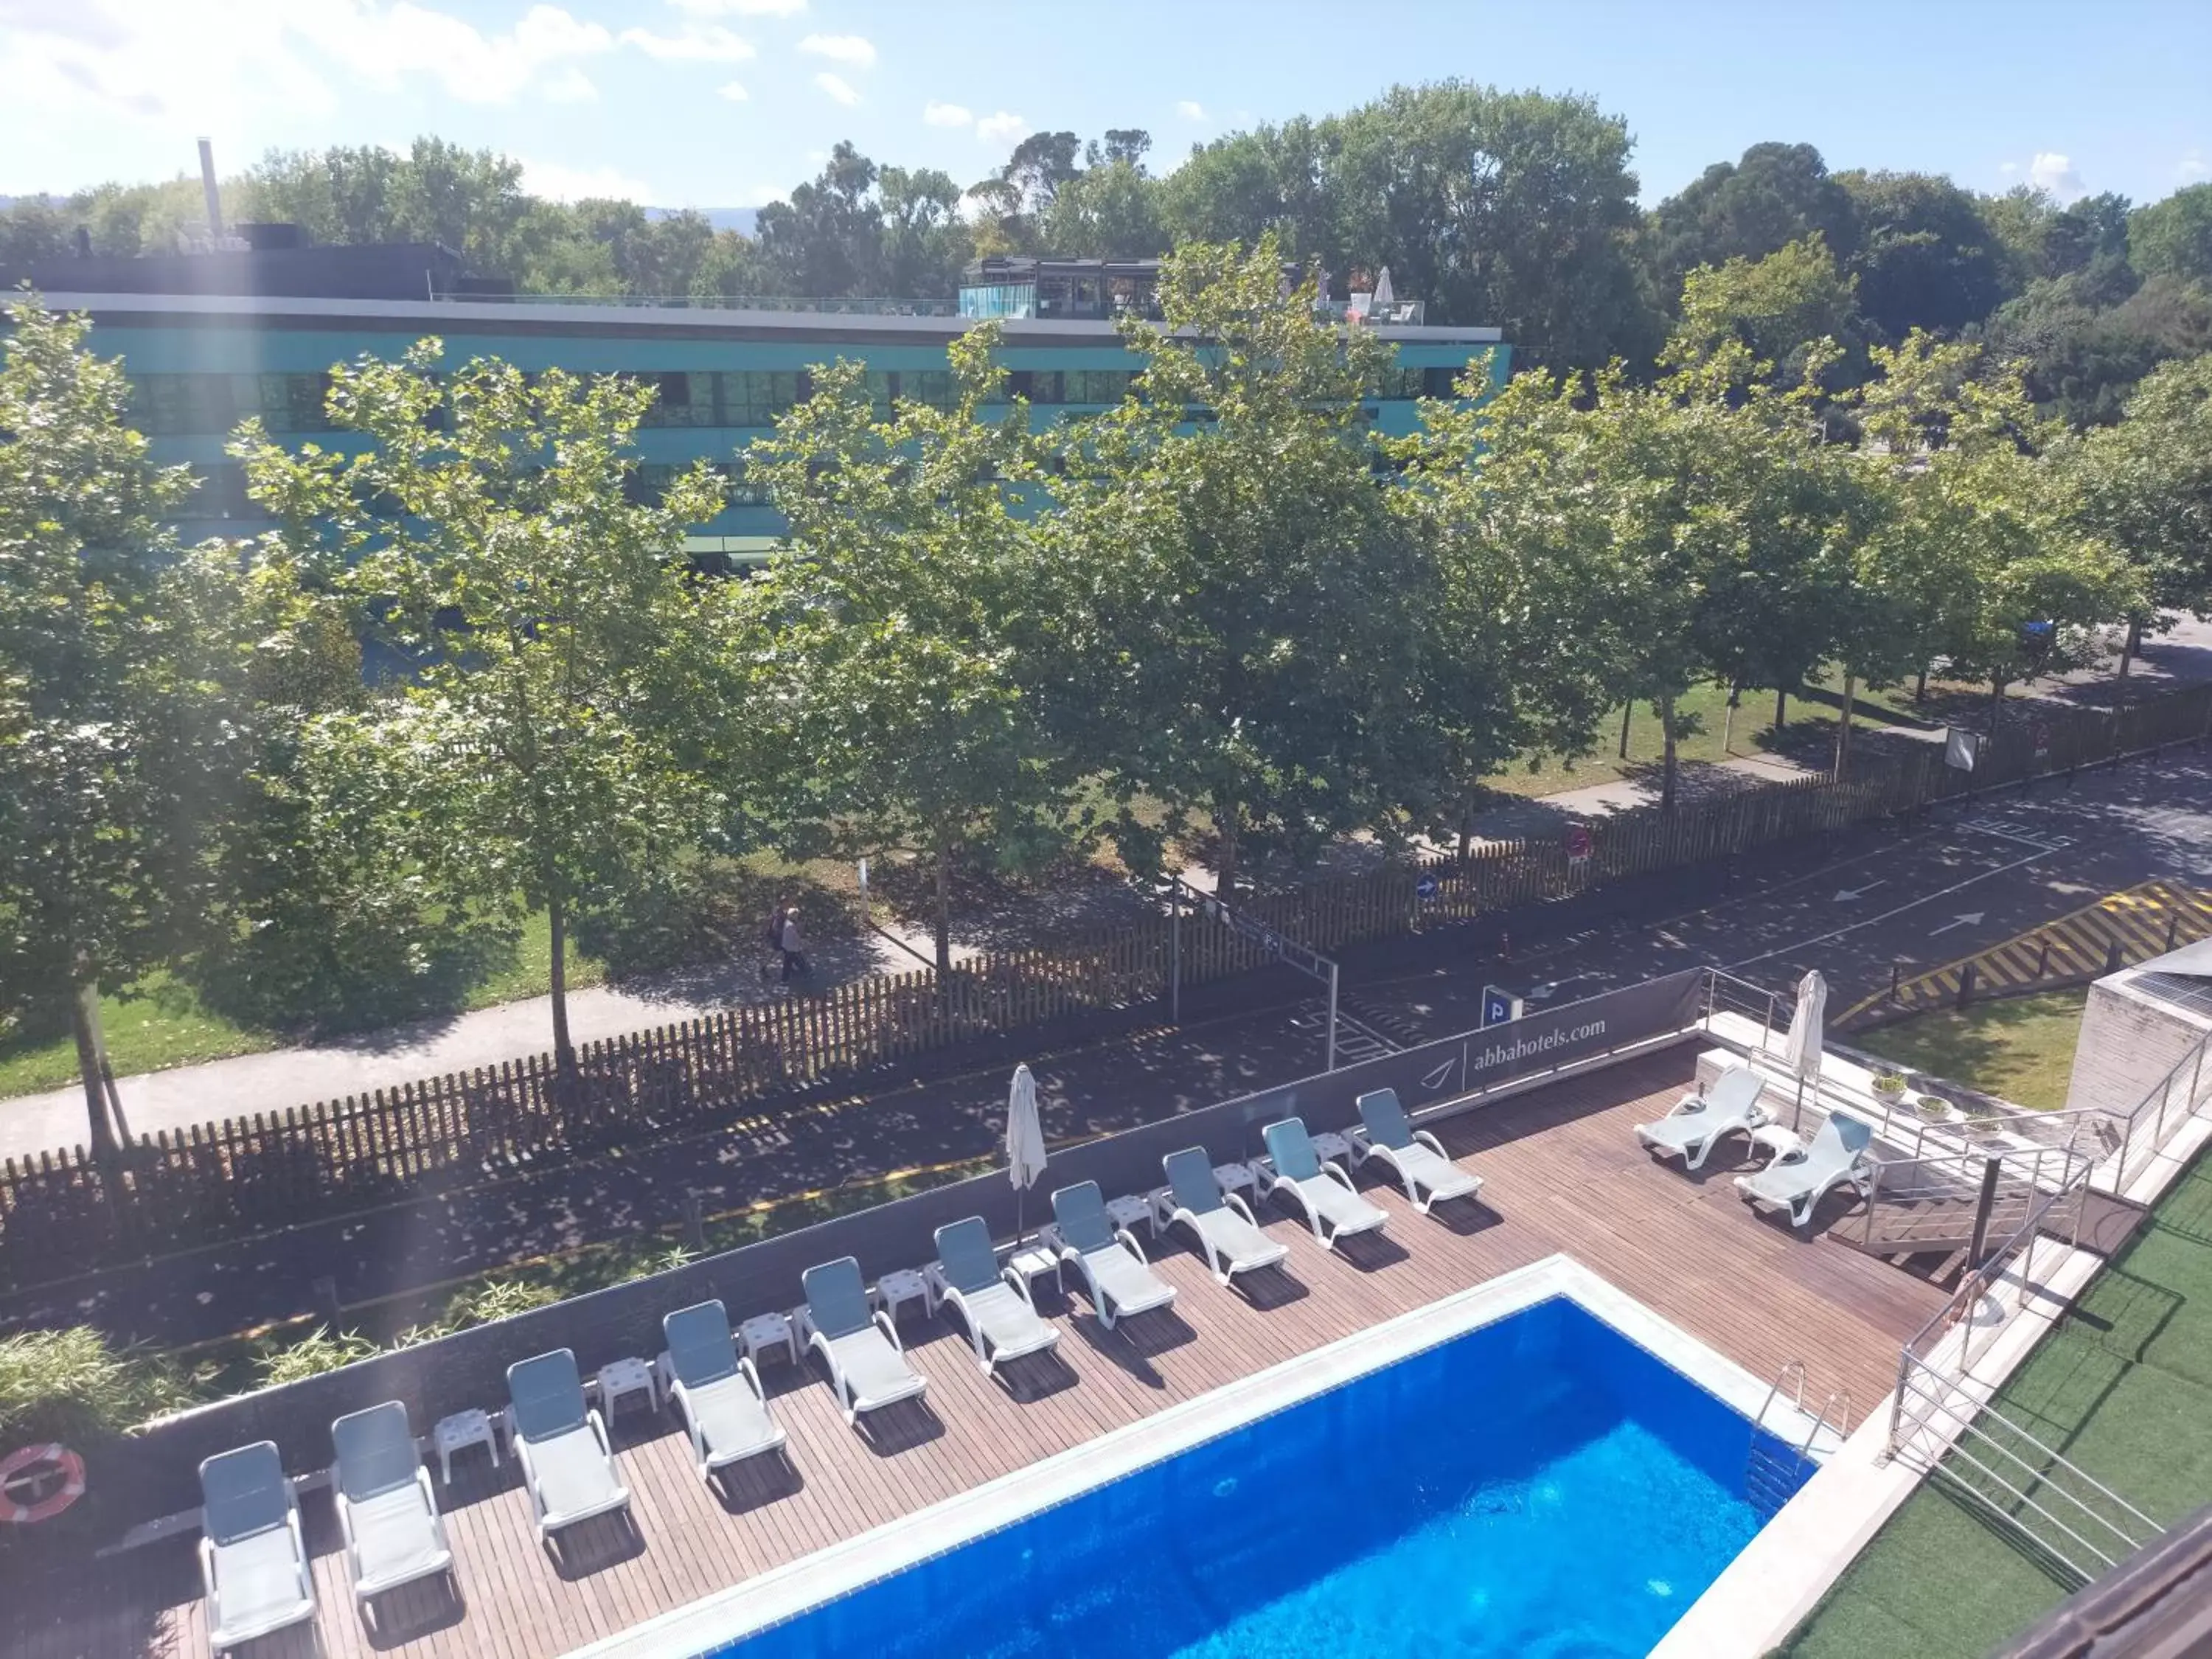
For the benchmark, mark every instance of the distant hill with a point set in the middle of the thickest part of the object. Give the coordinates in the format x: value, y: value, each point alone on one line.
x: 737, y: 219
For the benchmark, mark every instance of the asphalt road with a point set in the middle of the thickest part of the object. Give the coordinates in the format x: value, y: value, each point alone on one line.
x: 1852, y: 904
x: 1968, y: 878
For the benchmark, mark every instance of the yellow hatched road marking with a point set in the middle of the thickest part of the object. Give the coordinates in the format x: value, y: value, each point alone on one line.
x: 2142, y: 920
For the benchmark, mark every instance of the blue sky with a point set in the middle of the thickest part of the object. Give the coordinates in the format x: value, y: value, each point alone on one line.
x: 722, y: 103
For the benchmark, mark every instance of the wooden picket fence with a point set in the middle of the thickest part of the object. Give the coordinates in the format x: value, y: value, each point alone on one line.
x: 66, y: 1212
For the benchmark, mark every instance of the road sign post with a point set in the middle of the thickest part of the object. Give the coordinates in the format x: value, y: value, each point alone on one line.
x: 1499, y: 1007
x: 1578, y: 848
x: 1307, y: 961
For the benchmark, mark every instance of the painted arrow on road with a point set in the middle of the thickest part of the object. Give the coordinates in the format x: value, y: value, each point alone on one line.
x: 1844, y: 894
x: 1964, y: 918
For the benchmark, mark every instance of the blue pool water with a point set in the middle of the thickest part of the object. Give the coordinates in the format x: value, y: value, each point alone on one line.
x: 1541, y: 1488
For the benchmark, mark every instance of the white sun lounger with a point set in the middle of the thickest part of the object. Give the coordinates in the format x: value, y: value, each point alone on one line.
x: 1415, y: 1156
x: 1120, y: 1280
x: 992, y: 1302
x: 868, y: 1366
x: 1322, y: 1192
x: 1800, y: 1178
x: 1228, y: 1233
x: 717, y: 1390
x: 1699, y: 1120
x: 386, y: 1509
x: 567, y: 1466
x: 253, y: 1561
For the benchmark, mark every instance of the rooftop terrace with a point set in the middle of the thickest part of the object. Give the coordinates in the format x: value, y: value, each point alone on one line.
x: 1563, y: 1173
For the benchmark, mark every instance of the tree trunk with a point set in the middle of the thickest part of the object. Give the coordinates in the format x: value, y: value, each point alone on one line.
x: 1627, y: 709
x: 2129, y: 647
x: 1465, y: 825
x: 1843, y: 727
x: 1780, y: 707
x: 92, y: 1068
x: 564, y: 1052
x: 1225, y: 861
x: 941, y: 922
x: 1728, y: 716
x: 1997, y: 703
x: 1665, y: 709
x: 1920, y: 686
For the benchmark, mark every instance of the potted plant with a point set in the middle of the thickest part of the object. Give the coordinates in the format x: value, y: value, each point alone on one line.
x: 1933, y: 1108
x: 1889, y: 1087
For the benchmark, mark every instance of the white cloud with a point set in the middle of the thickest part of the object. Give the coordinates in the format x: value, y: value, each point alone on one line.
x: 946, y: 115
x: 697, y: 43
x: 226, y: 66
x: 734, y: 90
x: 1191, y: 110
x: 575, y: 184
x: 2056, y: 174
x: 997, y: 129
x: 854, y: 50
x: 837, y: 89
x: 740, y: 7
x: 571, y: 86
x: 387, y: 46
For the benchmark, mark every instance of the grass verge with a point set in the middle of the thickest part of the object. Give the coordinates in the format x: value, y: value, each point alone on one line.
x: 2019, y: 1048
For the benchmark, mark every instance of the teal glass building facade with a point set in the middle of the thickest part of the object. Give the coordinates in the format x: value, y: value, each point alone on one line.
x: 200, y: 363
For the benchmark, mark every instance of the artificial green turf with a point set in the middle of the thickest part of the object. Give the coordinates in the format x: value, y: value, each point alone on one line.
x: 2123, y: 1388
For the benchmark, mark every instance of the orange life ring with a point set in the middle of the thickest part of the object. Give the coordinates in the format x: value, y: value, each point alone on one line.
x: 39, y: 1482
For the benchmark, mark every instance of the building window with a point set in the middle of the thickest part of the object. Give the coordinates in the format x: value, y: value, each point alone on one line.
x: 1441, y: 382
x: 221, y: 495
x: 1098, y: 385
x: 754, y: 397
x: 933, y: 386
x: 680, y: 399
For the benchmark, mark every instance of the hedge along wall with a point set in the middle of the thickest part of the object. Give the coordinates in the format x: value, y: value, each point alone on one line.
x: 160, y: 1469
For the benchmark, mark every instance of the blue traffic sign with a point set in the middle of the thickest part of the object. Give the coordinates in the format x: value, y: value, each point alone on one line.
x: 1499, y: 1007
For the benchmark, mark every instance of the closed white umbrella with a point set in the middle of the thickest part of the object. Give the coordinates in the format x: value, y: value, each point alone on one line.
x: 1025, y: 1141
x: 1801, y: 1050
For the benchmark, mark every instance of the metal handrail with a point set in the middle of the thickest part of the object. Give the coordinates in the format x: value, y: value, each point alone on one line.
x: 834, y: 307
x: 2045, y: 1475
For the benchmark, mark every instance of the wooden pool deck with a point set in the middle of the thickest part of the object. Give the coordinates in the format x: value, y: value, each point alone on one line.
x: 1562, y: 1171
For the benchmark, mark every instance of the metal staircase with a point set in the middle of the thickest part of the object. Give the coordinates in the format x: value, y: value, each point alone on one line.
x: 1924, y: 1205
x: 1775, y: 1465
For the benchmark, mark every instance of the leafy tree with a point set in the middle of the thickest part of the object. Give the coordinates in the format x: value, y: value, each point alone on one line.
x: 1925, y: 257
x: 546, y: 745
x: 1775, y: 195
x: 1512, y: 208
x: 1779, y: 309
x: 860, y: 229
x: 2173, y: 238
x: 2023, y: 580
x: 126, y: 720
x: 1236, y: 614
x: 1108, y: 211
x: 1248, y: 185
x: 1520, y: 650
x: 883, y: 636
x: 2146, y: 487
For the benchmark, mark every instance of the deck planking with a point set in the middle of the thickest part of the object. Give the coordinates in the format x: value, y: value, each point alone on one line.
x: 1561, y: 1173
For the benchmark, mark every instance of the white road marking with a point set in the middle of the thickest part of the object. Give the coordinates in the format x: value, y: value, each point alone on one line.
x: 1911, y: 904
x: 1966, y: 919
x: 1846, y: 894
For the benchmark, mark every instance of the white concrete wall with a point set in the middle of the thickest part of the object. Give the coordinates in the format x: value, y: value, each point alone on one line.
x: 2128, y: 1042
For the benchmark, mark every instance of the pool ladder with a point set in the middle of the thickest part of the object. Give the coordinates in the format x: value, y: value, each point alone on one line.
x: 1771, y: 1477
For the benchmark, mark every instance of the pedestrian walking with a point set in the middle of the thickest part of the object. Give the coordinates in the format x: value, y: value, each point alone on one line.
x: 794, y: 949
x: 776, y: 918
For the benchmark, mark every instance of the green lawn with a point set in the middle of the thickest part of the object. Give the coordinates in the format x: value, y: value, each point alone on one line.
x: 160, y: 1022
x: 1808, y: 737
x: 2020, y: 1049
x: 2123, y: 1388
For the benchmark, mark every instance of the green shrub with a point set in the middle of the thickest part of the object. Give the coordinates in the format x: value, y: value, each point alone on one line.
x: 73, y: 1386
x: 311, y: 1355
x: 498, y: 1298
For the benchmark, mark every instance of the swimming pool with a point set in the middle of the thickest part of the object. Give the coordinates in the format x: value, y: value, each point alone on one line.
x: 1541, y: 1484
